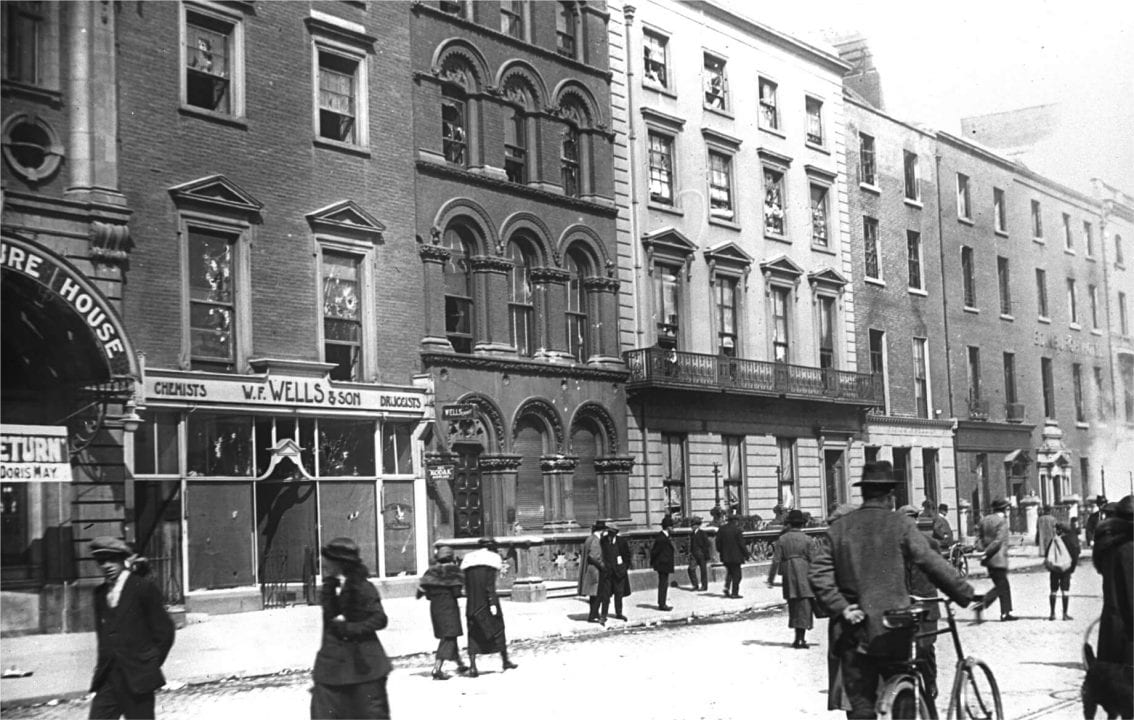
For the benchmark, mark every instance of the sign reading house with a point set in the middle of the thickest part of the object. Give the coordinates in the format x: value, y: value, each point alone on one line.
x: 31, y: 453
x: 279, y: 391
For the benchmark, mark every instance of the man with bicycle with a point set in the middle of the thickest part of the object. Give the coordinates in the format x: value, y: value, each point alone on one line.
x: 861, y: 573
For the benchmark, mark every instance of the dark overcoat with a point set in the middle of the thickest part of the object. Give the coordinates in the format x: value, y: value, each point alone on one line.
x: 865, y: 563
x: 135, y: 636
x: 483, y: 612
x: 590, y: 566
x: 1113, y: 556
x: 791, y: 557
x: 350, y: 652
x: 942, y: 531
x: 661, y: 553
x: 730, y: 544
x: 442, y: 584
x: 616, y: 556
x: 699, y: 546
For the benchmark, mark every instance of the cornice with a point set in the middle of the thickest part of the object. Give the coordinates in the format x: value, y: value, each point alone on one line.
x: 620, y: 465
x: 465, y: 177
x: 499, y: 463
x: 558, y: 463
x: 522, y: 367
x: 491, y: 263
x: 549, y: 275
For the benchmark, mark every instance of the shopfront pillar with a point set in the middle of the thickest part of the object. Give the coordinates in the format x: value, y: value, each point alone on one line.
x: 558, y: 491
x: 498, y: 478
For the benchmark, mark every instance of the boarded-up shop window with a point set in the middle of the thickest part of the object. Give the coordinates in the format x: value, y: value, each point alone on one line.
x: 219, y: 446
x: 397, y: 451
x: 398, y: 520
x: 346, y: 447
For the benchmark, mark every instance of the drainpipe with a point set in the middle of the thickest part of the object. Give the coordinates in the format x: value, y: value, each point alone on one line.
x: 635, y: 241
x: 945, y: 318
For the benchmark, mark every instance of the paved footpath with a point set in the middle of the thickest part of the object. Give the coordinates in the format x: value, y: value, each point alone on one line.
x: 214, y: 647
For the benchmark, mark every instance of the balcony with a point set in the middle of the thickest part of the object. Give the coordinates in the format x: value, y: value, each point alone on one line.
x: 978, y: 409
x: 1014, y: 412
x: 657, y: 367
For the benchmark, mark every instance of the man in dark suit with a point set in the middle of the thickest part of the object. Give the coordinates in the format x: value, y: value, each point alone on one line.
x: 615, y: 581
x: 730, y: 547
x: 992, y: 540
x: 661, y: 560
x: 860, y: 573
x: 698, y: 555
x: 135, y: 634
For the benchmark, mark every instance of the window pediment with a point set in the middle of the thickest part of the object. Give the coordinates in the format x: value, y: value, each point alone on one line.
x: 828, y: 278
x: 668, y: 243
x: 217, y: 194
x: 663, y: 120
x: 821, y: 174
x: 771, y: 157
x: 342, y: 30
x: 346, y: 217
x: 730, y: 255
x: 781, y: 268
x: 720, y: 139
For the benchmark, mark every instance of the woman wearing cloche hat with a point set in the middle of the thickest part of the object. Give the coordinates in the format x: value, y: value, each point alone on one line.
x: 442, y: 583
x: 351, y: 666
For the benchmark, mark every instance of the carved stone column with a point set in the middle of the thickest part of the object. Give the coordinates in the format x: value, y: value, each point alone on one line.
x: 551, y: 314
x: 602, y: 309
x: 433, y: 259
x: 558, y: 491
x: 613, y: 475
x: 498, y: 481
x: 491, y: 277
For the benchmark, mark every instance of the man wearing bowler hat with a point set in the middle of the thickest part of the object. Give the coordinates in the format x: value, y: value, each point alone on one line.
x: 699, y: 554
x: 661, y: 560
x: 860, y: 573
x: 135, y: 634
x: 992, y: 540
x: 591, y: 570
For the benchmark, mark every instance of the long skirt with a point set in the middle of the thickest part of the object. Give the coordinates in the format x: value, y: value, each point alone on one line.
x: 799, y: 613
x: 362, y: 700
x: 447, y: 649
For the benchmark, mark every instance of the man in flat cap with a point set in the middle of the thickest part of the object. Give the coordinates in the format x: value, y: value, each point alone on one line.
x: 861, y: 573
x: 134, y: 632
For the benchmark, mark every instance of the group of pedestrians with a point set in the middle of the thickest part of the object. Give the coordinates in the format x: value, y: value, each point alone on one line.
x: 604, y: 571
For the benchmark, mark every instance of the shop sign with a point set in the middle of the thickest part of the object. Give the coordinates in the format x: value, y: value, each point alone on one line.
x: 280, y: 391
x: 1067, y: 343
x: 458, y: 411
x: 441, y: 472
x: 31, y: 453
x: 76, y: 291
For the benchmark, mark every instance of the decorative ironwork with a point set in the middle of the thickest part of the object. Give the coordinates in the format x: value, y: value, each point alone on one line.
x: 657, y: 367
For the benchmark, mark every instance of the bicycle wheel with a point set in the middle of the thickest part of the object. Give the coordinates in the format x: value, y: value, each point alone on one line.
x: 975, y: 696
x: 901, y: 700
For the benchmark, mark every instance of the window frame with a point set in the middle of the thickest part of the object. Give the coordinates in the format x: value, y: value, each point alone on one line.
x: 662, y: 269
x: 321, y: 44
x: 456, y: 97
x: 670, y: 171
x: 468, y: 250
x: 668, y: 442
x: 1089, y: 239
x: 922, y: 389
x: 787, y: 455
x: 911, y: 176
x: 765, y: 120
x: 879, y: 364
x: 1100, y: 393
x: 781, y: 185
x: 1068, y: 240
x: 241, y: 233
x: 968, y: 277
x: 728, y: 215
x: 814, y: 121
x: 820, y: 239
x: 236, y: 82
x: 567, y: 26
x: 1011, y: 396
x: 734, y: 477
x: 871, y: 244
x: 828, y: 353
x: 580, y: 317
x: 964, y: 204
x: 786, y: 292
x: 521, y: 313
x: 913, y: 240
x: 1041, y: 294
x: 661, y: 41
x: 1047, y: 386
x: 1073, y: 302
x: 1004, y: 282
x: 1037, y: 221
x: 973, y: 373
x: 1123, y: 318
x: 721, y: 281
x: 1093, y: 295
x: 1077, y: 393
x: 364, y: 253
x: 707, y: 74
x: 867, y: 170
x: 999, y: 212
x: 513, y: 13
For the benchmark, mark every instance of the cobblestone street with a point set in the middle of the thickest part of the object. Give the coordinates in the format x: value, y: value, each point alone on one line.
x: 721, y: 669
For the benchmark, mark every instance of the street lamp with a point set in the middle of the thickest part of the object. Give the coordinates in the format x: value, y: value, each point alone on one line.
x: 717, y: 492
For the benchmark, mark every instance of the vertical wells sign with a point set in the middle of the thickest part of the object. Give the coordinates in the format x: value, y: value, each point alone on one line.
x: 30, y: 453
x: 74, y: 290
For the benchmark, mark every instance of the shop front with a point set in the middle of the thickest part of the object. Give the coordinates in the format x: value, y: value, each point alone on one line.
x: 239, y: 480
x: 992, y: 462
x: 69, y: 383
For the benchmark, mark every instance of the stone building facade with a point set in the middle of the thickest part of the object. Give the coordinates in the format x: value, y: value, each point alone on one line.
x: 516, y: 240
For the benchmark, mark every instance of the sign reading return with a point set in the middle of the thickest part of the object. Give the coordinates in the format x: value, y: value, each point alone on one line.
x: 279, y: 391
x: 31, y: 453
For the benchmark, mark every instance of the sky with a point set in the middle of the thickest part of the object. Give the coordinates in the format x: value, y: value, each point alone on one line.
x: 939, y: 62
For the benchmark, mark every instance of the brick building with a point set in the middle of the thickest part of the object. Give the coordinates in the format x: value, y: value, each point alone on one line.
x: 70, y: 373
x: 264, y: 152
x: 900, y: 323
x: 738, y: 309
x: 516, y: 237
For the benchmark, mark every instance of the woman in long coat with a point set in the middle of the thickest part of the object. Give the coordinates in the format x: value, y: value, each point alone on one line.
x: 791, y: 556
x: 442, y: 584
x: 351, y: 666
x: 482, y: 610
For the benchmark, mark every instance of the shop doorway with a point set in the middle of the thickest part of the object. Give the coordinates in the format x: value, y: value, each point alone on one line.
x: 834, y: 477
x: 468, y: 505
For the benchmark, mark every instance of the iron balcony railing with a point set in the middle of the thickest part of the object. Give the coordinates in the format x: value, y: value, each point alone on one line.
x: 657, y: 367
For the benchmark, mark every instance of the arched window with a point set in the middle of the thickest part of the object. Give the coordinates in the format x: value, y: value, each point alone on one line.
x: 579, y: 267
x: 572, y: 155
x: 521, y: 299
x: 454, y: 121
x: 517, y: 129
x: 459, y: 289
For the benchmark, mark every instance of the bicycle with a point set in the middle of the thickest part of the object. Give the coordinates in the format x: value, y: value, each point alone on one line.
x: 957, y: 555
x: 904, y: 695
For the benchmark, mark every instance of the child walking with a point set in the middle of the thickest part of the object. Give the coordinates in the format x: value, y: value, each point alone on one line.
x: 1061, y: 580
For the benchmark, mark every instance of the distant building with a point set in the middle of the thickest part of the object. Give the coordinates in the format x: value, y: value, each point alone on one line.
x: 738, y: 307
